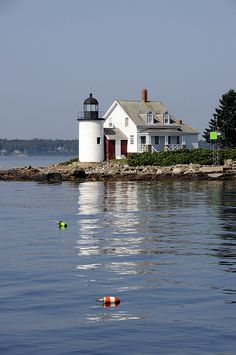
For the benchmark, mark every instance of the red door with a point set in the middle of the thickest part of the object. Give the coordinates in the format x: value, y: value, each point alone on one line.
x: 110, y: 149
x: 124, y: 147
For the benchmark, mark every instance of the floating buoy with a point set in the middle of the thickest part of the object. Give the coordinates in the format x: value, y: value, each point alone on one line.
x: 62, y: 225
x: 108, y: 300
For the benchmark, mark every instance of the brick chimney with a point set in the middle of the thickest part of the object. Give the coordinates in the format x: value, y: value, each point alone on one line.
x: 144, y: 95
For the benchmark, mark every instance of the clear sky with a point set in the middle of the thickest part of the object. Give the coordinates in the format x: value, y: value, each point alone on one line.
x: 54, y: 52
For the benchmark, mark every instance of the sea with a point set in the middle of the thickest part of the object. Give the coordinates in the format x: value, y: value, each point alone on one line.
x: 8, y: 162
x: 167, y: 249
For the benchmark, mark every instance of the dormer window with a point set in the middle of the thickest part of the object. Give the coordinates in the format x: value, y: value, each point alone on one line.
x: 150, y: 118
x: 166, y: 118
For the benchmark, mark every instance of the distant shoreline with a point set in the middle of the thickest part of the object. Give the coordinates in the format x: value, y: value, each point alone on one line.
x: 49, y: 154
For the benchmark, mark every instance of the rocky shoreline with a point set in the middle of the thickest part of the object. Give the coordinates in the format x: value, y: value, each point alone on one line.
x: 78, y: 172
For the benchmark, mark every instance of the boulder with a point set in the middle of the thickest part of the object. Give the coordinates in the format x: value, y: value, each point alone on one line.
x: 178, y: 170
x: 79, y: 174
x: 49, y: 177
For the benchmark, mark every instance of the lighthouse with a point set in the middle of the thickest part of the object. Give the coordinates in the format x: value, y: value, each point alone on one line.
x: 91, y: 132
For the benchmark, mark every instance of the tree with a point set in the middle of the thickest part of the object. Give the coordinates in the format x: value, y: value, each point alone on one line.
x: 224, y: 120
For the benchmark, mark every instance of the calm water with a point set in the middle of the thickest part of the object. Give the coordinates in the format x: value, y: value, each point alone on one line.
x: 168, y: 250
x: 7, y: 162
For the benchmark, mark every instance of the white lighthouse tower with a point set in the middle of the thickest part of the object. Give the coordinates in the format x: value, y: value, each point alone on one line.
x: 91, y: 133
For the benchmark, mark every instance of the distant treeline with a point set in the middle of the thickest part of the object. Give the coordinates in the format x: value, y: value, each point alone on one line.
x: 39, y: 146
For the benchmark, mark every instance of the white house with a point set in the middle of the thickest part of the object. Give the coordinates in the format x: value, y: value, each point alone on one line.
x: 137, y: 126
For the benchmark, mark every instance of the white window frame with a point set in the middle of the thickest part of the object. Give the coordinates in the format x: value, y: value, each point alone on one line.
x: 131, y: 139
x: 150, y: 118
x: 110, y: 122
x: 166, y: 118
x: 126, y: 121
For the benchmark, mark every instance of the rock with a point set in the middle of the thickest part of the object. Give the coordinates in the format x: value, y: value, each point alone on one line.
x: 211, y: 169
x: 178, y: 171
x: 117, y: 171
x: 79, y: 174
x: 228, y: 162
x: 194, y: 166
x: 215, y: 175
x: 54, y: 177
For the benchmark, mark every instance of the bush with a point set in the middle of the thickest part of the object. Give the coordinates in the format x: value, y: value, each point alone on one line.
x: 228, y: 154
x: 201, y: 156
x: 185, y: 156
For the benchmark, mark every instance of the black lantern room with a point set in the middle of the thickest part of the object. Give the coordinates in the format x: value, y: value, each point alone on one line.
x: 91, y: 108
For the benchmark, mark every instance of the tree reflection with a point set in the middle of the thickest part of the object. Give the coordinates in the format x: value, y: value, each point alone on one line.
x: 224, y: 201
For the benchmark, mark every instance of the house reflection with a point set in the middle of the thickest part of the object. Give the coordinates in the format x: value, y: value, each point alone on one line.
x: 125, y: 219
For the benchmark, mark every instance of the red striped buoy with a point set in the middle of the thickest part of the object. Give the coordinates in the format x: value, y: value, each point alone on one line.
x: 109, y: 300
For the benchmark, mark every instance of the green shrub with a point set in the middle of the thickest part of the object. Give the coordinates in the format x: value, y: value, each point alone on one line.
x: 185, y: 156
x: 228, y: 154
x: 201, y: 156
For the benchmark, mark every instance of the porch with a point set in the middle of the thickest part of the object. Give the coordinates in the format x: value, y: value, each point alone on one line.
x: 153, y: 143
x: 151, y: 149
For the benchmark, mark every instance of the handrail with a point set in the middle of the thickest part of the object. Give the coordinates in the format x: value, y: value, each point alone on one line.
x: 170, y: 147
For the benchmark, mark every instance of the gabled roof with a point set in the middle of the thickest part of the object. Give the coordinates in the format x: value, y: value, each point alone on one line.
x: 137, y: 110
x: 114, y: 134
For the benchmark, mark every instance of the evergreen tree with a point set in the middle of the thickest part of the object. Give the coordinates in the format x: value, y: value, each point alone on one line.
x: 224, y: 120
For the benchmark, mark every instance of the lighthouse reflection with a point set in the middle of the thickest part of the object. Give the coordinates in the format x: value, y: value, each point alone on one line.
x: 120, y: 226
x: 124, y: 219
x: 107, y: 212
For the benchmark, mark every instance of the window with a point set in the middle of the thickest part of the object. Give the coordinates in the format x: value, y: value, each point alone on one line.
x: 166, y: 118
x: 132, y: 139
x: 157, y: 140
x: 98, y: 140
x: 178, y: 140
x: 150, y: 118
x: 143, y: 139
x: 110, y: 122
x: 90, y: 107
x: 169, y: 139
x: 126, y: 121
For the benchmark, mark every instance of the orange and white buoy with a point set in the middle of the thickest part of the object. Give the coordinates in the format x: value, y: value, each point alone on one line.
x: 107, y: 300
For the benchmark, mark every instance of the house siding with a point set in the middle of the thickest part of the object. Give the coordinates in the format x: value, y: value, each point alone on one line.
x: 191, y: 141
x: 117, y: 117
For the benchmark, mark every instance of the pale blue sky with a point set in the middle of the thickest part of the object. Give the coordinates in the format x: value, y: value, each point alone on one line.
x: 53, y: 52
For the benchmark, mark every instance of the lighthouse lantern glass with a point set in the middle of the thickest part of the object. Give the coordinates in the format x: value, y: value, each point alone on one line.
x: 90, y: 107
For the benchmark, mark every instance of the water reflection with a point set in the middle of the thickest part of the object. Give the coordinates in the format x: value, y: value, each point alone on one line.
x: 134, y: 236
x: 225, y: 204
x: 112, y: 316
